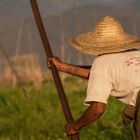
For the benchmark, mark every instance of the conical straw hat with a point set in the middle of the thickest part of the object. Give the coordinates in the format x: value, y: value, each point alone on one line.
x: 107, y: 37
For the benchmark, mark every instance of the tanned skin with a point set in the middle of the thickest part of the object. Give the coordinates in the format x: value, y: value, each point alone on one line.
x: 95, y: 109
x: 80, y: 71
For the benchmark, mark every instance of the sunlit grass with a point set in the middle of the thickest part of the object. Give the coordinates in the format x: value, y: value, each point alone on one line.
x: 28, y: 114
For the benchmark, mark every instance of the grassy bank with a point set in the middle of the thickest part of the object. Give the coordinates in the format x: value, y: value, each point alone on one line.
x: 27, y: 114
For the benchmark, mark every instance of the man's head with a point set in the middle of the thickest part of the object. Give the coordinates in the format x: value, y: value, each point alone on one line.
x: 107, y: 37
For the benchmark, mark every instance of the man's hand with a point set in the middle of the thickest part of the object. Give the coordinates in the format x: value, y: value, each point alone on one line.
x: 55, y: 60
x: 71, y: 129
x: 93, y: 112
x: 68, y: 68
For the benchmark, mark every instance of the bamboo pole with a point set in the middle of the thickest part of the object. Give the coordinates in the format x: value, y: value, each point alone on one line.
x: 55, y: 74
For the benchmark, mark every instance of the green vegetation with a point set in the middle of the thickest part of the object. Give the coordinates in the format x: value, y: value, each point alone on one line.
x: 28, y: 114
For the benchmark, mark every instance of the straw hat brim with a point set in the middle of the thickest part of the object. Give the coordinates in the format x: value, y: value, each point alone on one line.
x: 91, y: 44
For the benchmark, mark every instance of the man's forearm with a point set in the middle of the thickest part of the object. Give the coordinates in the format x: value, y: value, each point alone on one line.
x: 74, y: 70
x: 93, y: 112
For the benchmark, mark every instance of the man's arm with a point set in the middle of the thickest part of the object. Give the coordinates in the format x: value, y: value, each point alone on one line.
x: 93, y: 112
x: 80, y: 71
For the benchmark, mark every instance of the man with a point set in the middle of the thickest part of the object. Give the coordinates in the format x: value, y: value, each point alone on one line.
x: 116, y: 72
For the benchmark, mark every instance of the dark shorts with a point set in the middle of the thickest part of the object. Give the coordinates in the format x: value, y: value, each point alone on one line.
x: 137, y: 119
x: 132, y: 114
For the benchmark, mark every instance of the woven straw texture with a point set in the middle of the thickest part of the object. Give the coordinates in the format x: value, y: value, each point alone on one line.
x: 107, y: 37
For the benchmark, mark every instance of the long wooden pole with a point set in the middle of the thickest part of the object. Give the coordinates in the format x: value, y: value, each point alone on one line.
x: 55, y: 74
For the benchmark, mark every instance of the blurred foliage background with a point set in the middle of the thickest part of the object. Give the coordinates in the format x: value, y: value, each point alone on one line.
x: 63, y: 19
x: 29, y: 105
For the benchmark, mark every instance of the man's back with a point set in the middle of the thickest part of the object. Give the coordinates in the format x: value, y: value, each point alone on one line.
x: 117, y: 75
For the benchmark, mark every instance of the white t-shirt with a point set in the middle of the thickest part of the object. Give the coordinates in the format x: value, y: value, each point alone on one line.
x: 115, y: 74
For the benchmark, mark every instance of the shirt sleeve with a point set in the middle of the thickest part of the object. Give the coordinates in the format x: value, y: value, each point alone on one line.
x: 100, y: 85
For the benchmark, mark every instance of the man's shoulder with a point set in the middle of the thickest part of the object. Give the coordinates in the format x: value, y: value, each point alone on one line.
x: 115, y: 59
x: 106, y: 58
x: 101, y: 62
x: 116, y: 56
